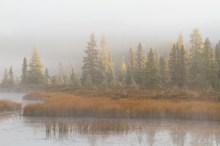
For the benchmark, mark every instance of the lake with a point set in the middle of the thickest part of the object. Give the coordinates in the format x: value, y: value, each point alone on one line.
x: 16, y: 130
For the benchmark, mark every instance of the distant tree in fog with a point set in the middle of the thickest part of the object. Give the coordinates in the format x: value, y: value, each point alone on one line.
x: 91, y: 69
x: 195, y: 69
x: 217, y: 58
x: 140, y: 64
x: 151, y: 76
x: 107, y: 66
x: 24, y: 71
x: 35, y: 75
x: 11, y: 76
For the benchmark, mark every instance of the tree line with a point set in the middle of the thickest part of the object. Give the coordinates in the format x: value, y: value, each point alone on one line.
x: 195, y: 67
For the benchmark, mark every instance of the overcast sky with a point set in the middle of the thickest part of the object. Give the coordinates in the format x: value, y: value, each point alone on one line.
x: 60, y: 28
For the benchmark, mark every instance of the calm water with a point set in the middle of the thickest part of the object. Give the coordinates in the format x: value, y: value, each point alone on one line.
x: 16, y: 130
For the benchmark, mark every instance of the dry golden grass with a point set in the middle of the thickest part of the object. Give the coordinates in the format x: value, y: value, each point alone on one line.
x: 6, y: 105
x: 63, y: 104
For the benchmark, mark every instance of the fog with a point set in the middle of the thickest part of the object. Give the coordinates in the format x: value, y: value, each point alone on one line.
x: 60, y: 29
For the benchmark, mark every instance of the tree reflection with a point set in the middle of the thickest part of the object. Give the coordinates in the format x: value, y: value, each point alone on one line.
x: 180, y: 133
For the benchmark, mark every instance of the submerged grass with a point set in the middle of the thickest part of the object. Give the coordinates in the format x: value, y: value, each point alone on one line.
x: 6, y: 105
x: 64, y: 104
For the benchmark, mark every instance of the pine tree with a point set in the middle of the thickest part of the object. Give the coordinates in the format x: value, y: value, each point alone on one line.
x: 74, y: 79
x: 107, y: 66
x: 195, y: 69
x: 11, y: 76
x: 5, y: 80
x: 162, y: 71
x: 111, y: 70
x: 151, y: 72
x: 141, y: 59
x: 35, y: 75
x: 132, y: 60
x: 172, y: 65
x: 209, y: 71
x: 91, y: 63
x: 24, y: 71
x: 123, y: 71
x: 217, y: 58
x: 62, y: 74
x: 47, y: 77
x: 181, y: 65
x: 180, y: 41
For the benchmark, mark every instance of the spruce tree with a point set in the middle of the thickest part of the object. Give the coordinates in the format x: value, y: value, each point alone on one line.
x: 140, y: 64
x: 91, y: 69
x: 24, y: 71
x: 217, y: 58
x: 47, y: 77
x: 151, y: 72
x: 5, y: 80
x: 195, y: 69
x: 132, y: 65
x: 11, y: 76
x: 35, y: 75
x: 162, y: 71
x: 74, y: 79
x: 123, y: 71
x: 172, y: 65
x: 209, y: 70
x: 181, y: 65
x: 107, y: 66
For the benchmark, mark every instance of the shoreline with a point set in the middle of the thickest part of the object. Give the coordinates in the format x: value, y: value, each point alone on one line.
x: 66, y: 104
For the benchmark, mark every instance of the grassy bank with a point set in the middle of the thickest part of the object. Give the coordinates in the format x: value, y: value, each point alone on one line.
x: 64, y: 104
x: 6, y: 105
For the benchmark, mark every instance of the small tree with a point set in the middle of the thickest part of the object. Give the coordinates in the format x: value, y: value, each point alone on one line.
x: 24, y: 71
x: 35, y: 75
x: 11, y: 77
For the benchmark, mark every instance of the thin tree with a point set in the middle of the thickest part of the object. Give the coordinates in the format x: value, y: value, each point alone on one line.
x: 24, y: 71
x: 141, y: 60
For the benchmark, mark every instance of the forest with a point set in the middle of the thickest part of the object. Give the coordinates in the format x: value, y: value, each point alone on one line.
x: 183, y: 83
x: 196, y: 68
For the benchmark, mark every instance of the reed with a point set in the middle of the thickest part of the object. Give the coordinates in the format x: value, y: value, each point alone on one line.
x: 64, y: 104
x: 6, y: 105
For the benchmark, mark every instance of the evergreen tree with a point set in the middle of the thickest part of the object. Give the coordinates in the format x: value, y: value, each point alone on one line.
x: 11, y: 76
x: 172, y: 65
x: 217, y: 58
x: 180, y: 41
x: 91, y: 63
x: 107, y: 66
x: 62, y: 75
x: 140, y: 62
x: 162, y: 71
x: 208, y: 69
x: 132, y: 60
x: 35, y: 75
x: 195, y: 69
x: 24, y: 71
x: 5, y: 80
x: 151, y: 75
x: 74, y: 79
x: 181, y: 65
x: 111, y: 70
x: 123, y: 71
x: 47, y: 77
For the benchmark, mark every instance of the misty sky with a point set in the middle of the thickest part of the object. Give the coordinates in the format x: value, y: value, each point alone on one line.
x: 60, y: 28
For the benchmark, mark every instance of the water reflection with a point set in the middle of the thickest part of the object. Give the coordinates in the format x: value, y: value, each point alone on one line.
x: 128, y: 132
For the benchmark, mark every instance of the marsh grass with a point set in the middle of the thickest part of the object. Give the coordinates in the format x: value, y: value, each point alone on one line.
x: 64, y: 104
x: 6, y: 105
